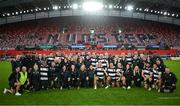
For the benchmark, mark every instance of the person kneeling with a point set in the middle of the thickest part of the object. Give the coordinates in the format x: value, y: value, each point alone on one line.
x: 23, y: 81
x: 168, y: 81
x: 99, y: 76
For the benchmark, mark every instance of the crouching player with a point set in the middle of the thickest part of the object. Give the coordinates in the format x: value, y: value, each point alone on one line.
x: 156, y: 77
x: 127, y: 77
x: 53, y: 76
x: 137, y: 76
x: 84, y: 76
x: 99, y: 77
x: 119, y: 74
x: 168, y: 81
x: 74, y: 77
x: 64, y: 78
x: 91, y: 76
x: 147, y: 75
x: 111, y: 76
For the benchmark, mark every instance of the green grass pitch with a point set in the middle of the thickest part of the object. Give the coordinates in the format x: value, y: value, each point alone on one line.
x: 112, y: 96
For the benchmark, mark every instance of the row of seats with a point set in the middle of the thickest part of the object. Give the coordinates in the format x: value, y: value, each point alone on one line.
x: 133, y: 31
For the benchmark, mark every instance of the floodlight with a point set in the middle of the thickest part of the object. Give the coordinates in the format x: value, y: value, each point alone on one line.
x: 92, y: 31
x: 110, y: 6
x: 120, y: 31
x: 75, y: 6
x: 92, y: 6
x: 165, y: 13
x: 105, y: 6
x: 55, y: 7
x: 146, y: 9
x: 129, y: 7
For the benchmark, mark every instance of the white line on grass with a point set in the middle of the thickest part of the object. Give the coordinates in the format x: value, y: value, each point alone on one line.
x: 169, y: 97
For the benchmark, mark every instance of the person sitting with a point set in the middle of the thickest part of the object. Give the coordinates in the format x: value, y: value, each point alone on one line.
x: 21, y: 82
x: 12, y: 81
x: 147, y: 75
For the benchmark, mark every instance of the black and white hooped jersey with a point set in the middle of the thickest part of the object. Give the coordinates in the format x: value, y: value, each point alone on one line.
x: 50, y: 60
x: 44, y: 73
x: 156, y: 74
x: 100, y: 72
x: 129, y: 60
x: 147, y: 72
x: 104, y: 62
x: 59, y: 57
x: 93, y: 62
x: 111, y: 73
x: 119, y: 72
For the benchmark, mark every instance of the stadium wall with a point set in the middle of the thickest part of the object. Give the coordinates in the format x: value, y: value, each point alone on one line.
x: 116, y: 13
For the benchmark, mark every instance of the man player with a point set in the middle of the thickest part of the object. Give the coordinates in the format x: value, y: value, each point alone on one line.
x: 111, y: 76
x: 99, y: 75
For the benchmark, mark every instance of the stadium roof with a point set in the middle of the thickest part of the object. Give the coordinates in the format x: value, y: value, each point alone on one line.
x: 9, y: 6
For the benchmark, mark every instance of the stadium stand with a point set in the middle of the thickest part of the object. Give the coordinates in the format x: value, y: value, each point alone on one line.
x: 55, y: 32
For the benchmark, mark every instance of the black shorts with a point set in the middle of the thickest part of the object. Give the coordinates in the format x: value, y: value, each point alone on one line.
x: 113, y: 80
x: 147, y: 81
x: 101, y: 79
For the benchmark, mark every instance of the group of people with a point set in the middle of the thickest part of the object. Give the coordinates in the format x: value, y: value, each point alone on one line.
x: 35, y: 72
